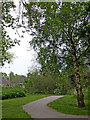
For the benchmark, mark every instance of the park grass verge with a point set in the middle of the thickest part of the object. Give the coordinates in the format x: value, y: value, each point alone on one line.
x: 68, y: 105
x: 12, y: 108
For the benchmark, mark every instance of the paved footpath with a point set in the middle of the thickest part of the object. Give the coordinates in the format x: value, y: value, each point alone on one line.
x: 39, y: 109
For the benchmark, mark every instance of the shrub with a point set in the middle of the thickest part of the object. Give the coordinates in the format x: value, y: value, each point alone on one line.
x: 48, y: 84
x: 86, y: 93
x: 42, y: 85
x: 72, y: 92
x: 12, y: 93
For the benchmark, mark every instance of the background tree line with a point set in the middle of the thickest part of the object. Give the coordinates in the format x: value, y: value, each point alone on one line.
x: 56, y: 83
x: 11, y: 76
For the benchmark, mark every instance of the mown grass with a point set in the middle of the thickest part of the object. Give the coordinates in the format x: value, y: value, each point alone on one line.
x: 68, y: 105
x: 12, y: 108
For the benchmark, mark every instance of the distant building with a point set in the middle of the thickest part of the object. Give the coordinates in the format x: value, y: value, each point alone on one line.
x: 18, y: 81
x: 4, y: 82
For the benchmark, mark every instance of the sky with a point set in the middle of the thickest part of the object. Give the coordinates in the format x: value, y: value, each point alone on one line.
x: 24, y: 55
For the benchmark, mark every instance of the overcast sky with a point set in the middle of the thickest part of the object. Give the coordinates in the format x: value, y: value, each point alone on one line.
x: 24, y: 59
x: 24, y: 56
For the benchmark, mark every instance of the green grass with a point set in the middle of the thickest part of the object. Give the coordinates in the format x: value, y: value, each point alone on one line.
x: 12, y: 108
x: 68, y: 105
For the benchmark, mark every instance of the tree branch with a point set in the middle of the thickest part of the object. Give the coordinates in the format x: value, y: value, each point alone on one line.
x: 83, y: 52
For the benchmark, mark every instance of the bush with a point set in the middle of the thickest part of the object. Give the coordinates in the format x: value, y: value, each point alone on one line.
x: 86, y: 93
x: 48, y: 84
x: 42, y: 85
x: 72, y: 92
x: 12, y: 93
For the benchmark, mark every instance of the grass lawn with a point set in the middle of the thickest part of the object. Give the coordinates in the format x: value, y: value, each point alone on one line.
x: 68, y: 105
x: 12, y: 108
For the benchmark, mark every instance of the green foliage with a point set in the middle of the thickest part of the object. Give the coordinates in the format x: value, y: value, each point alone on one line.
x: 56, y: 83
x: 72, y: 92
x: 42, y: 84
x: 28, y: 84
x: 51, y: 23
x: 60, y: 89
x: 85, y: 76
x: 48, y: 84
x: 7, y: 20
x: 86, y: 94
x: 11, y: 76
x: 0, y: 90
x: 4, y: 75
x: 12, y: 93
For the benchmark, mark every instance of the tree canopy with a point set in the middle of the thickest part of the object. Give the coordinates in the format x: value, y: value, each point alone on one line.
x: 60, y: 35
x: 50, y: 24
x: 6, y: 21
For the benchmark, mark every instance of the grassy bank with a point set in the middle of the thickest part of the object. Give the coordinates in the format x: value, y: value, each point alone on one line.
x: 12, y: 108
x: 68, y: 105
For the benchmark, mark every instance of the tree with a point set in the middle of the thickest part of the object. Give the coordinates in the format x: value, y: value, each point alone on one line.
x: 59, y: 28
x: 11, y: 76
x: 6, y: 21
x: 4, y: 75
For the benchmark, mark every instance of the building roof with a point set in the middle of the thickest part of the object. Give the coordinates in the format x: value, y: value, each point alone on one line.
x: 4, y: 81
x: 19, y: 80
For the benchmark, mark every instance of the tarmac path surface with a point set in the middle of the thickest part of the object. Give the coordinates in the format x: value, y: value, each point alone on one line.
x: 39, y: 109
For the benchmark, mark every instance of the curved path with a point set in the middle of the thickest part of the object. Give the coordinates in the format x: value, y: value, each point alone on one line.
x: 39, y: 109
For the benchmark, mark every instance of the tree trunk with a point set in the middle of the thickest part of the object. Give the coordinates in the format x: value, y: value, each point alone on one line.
x: 80, y: 96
